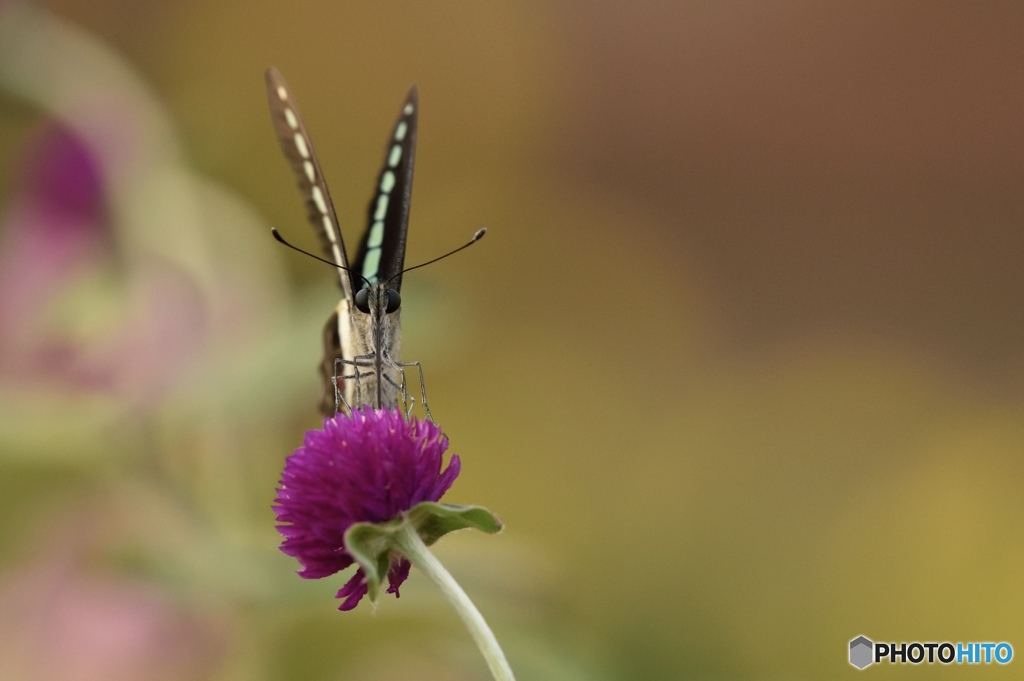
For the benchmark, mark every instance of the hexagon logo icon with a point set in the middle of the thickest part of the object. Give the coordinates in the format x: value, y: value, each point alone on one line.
x: 861, y: 652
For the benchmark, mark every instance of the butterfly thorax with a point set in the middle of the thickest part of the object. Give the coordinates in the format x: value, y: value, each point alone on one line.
x: 368, y: 345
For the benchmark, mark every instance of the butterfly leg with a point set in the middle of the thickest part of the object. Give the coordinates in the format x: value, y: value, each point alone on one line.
x: 403, y: 387
x: 369, y: 363
x: 338, y: 380
x: 408, y: 404
x: 423, y: 385
x: 340, y: 377
x: 339, y: 397
x: 400, y: 388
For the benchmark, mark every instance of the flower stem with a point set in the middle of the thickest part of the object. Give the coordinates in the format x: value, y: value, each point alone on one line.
x: 420, y: 556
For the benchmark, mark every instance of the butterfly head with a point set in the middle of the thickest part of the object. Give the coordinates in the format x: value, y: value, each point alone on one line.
x: 379, y: 298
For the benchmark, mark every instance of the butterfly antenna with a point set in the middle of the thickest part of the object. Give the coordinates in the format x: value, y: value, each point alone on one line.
x: 281, y: 239
x: 476, y: 237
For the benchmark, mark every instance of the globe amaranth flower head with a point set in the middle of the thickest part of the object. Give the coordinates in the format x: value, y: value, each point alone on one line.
x: 370, y: 467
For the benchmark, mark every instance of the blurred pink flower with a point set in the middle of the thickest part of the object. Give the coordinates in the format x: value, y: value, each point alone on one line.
x: 55, y: 233
x: 51, y: 230
x: 60, y: 621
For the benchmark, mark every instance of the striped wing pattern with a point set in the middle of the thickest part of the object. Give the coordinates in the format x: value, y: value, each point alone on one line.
x: 382, y: 250
x: 298, y: 149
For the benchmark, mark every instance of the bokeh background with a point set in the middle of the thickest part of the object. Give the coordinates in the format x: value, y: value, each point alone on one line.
x: 739, y: 363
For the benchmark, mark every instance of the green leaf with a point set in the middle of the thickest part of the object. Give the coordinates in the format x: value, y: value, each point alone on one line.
x: 374, y: 545
x: 371, y: 545
x: 433, y: 520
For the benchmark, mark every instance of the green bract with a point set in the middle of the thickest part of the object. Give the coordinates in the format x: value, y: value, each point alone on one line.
x: 374, y: 545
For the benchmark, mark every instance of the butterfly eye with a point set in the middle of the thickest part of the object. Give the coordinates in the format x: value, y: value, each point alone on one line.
x: 363, y: 300
x: 394, y: 301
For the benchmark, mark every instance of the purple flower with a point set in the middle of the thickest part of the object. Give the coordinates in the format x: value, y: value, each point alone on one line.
x: 370, y: 467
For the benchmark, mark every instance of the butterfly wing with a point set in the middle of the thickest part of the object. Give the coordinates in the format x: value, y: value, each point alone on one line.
x: 341, y: 339
x: 382, y: 251
x: 295, y: 142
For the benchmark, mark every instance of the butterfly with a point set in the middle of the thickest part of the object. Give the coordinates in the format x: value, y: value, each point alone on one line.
x: 363, y: 336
